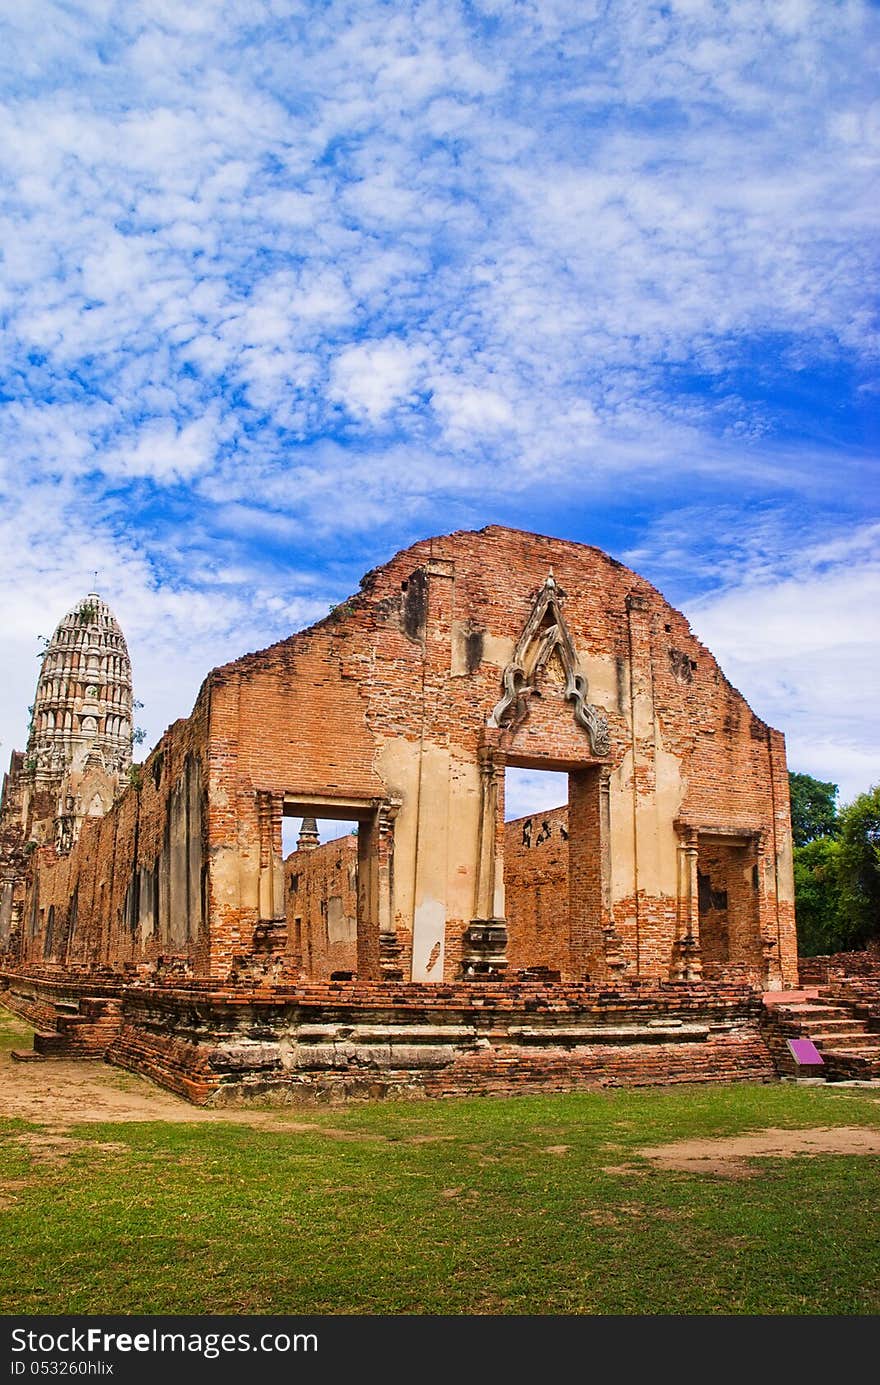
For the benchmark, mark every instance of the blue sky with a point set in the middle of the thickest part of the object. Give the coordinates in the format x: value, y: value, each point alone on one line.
x: 287, y: 286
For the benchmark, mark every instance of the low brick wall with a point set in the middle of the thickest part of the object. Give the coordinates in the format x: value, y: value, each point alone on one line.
x: 74, y: 1018
x: 341, y: 1041
x: 335, y: 1041
x: 818, y: 971
x: 861, y: 992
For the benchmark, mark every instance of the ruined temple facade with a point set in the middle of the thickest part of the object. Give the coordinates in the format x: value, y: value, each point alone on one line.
x: 78, y: 755
x: 463, y: 655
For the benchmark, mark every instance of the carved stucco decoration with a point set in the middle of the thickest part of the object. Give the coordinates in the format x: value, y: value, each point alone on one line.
x: 546, y: 633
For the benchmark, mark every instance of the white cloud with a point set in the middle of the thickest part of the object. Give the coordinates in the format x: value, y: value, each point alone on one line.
x: 803, y: 646
x: 288, y: 274
x: 469, y: 410
x: 165, y: 452
x: 528, y: 791
x: 371, y: 378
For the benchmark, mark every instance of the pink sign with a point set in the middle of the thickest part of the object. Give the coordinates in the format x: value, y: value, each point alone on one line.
x: 805, y: 1052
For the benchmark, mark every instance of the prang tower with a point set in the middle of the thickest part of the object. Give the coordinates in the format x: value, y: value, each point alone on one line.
x: 78, y: 752
x: 79, y: 747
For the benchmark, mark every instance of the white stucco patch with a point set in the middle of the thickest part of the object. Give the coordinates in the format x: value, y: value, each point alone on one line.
x: 429, y: 930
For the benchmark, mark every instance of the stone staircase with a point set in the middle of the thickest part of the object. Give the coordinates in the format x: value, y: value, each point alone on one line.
x: 845, y: 1034
x: 84, y: 1030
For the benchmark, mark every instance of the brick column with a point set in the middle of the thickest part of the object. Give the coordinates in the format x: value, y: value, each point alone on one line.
x: 768, y: 921
x: 643, y: 758
x: 368, y: 900
x: 269, y: 809
x: 389, y: 948
x: 780, y: 868
x: 485, y: 940
x: 686, y: 963
x: 431, y: 868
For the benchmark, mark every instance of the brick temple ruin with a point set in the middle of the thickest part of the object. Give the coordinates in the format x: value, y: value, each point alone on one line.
x: 625, y: 936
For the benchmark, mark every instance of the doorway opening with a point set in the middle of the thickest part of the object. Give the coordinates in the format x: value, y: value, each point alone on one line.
x: 321, y: 893
x: 728, y: 885
x: 536, y: 870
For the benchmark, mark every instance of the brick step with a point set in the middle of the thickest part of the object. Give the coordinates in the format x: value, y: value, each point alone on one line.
x: 841, y: 1031
x: 795, y: 1029
x: 845, y: 1064
x: 813, y: 1007
x: 50, y: 1044
x: 797, y: 1014
x: 66, y: 1042
x: 100, y: 1008
x: 26, y: 1055
x: 825, y: 1025
x: 830, y: 1022
x: 849, y: 1045
x: 852, y: 1043
x: 68, y: 1024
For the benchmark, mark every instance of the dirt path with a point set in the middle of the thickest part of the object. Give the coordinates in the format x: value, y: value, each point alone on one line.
x: 58, y: 1094
x: 728, y: 1155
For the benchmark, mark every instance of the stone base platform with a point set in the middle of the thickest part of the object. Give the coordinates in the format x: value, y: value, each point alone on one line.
x: 345, y: 1040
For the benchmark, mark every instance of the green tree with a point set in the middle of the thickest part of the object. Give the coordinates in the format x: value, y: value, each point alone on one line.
x: 813, y: 808
x: 817, y: 898
x: 858, y: 867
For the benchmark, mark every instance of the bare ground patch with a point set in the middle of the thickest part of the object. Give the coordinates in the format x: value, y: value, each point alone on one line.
x: 59, y: 1094
x: 45, y: 1148
x: 728, y: 1155
x: 11, y: 1189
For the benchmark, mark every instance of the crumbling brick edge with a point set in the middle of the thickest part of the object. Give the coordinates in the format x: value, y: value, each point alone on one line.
x: 340, y: 1041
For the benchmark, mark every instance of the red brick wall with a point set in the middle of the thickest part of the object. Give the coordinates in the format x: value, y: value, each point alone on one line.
x: 99, y: 892
x: 314, y: 714
x: 818, y: 971
x: 344, y: 1040
x: 728, y: 904
x: 536, y: 890
x: 321, y: 908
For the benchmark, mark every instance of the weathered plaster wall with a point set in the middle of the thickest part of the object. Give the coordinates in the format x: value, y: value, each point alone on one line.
x: 383, y: 712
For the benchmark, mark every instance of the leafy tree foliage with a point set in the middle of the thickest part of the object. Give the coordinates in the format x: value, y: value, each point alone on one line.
x: 817, y: 898
x: 813, y: 808
x: 836, y: 871
x: 858, y: 866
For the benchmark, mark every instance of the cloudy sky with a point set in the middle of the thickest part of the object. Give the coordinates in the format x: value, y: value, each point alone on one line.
x: 286, y: 286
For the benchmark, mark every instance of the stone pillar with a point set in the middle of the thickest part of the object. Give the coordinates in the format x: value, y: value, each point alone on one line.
x: 484, y: 953
x: 390, y: 949
x: 491, y: 776
x: 687, y: 965
x: 768, y: 922
x: 271, y: 898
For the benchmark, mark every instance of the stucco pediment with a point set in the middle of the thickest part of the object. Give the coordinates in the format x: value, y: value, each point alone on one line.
x: 545, y: 643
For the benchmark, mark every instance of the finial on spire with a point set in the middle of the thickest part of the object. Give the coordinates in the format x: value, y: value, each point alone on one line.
x: 308, y: 835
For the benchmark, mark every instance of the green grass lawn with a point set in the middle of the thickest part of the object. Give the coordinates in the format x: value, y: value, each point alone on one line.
x: 454, y: 1206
